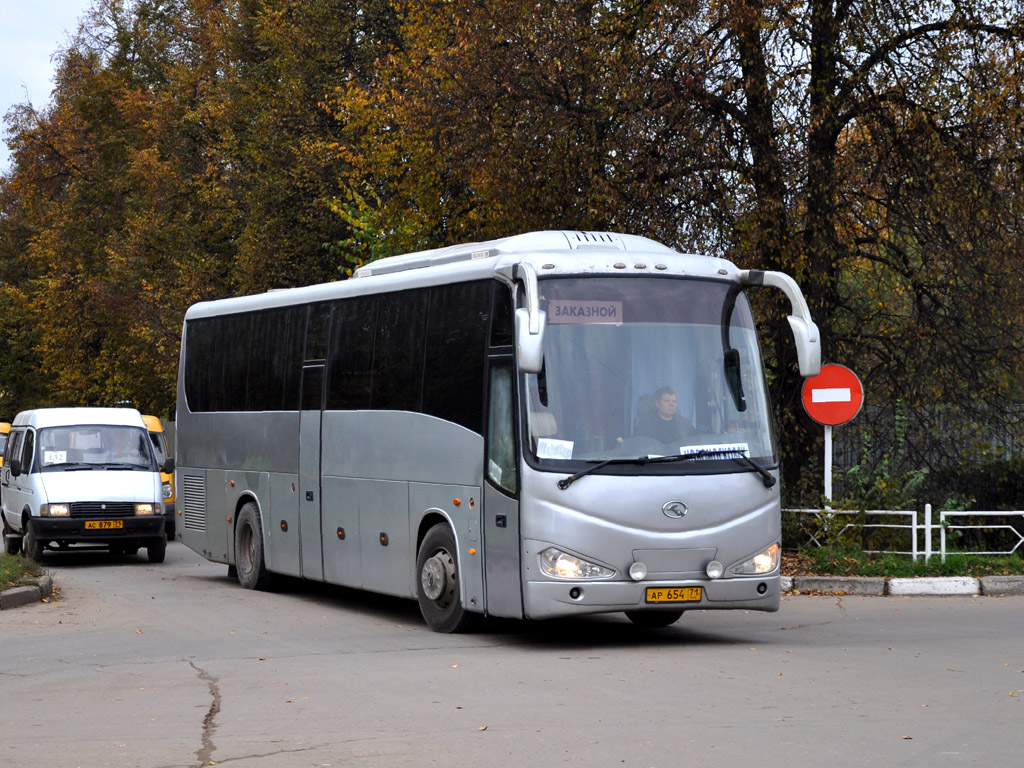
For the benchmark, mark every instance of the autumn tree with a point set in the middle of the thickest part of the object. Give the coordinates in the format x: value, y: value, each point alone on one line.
x: 824, y: 138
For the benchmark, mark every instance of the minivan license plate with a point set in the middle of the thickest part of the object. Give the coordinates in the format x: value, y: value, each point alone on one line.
x: 103, y: 525
x: 673, y: 594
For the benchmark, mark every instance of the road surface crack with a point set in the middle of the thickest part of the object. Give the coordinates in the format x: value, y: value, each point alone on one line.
x: 205, y: 752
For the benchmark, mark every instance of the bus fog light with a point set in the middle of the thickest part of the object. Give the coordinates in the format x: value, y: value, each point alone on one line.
x: 714, y: 570
x: 764, y: 562
x: 555, y: 562
x: 637, y: 571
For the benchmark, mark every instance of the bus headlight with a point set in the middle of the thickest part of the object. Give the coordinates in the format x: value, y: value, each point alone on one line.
x: 765, y: 562
x: 555, y: 562
x: 55, y: 510
x: 143, y: 509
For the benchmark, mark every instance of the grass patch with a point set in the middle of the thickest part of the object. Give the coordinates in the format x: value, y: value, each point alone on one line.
x: 17, y: 571
x: 840, y: 561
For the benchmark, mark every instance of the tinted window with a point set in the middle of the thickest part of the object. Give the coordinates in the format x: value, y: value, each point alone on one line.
x: 351, y: 358
x: 398, y: 351
x: 453, y: 381
x: 317, y: 332
x: 275, y: 362
x: 501, y: 324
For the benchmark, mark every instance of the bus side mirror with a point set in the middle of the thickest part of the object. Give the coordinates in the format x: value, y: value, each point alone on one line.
x: 806, y: 336
x: 808, y: 345
x: 530, y: 346
x: 15, y: 467
x: 168, y: 468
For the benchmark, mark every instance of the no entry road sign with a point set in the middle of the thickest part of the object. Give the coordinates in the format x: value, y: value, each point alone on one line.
x: 834, y: 396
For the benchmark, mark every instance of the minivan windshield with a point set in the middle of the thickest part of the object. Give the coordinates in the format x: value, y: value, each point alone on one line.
x: 645, y: 367
x: 81, y: 447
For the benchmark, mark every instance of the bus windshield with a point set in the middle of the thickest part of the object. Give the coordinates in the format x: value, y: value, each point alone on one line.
x: 639, y: 367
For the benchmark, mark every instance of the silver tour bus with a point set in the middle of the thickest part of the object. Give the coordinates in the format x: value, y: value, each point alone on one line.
x: 551, y: 424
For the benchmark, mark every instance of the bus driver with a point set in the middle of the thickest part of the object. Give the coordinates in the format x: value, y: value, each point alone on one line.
x: 662, y: 422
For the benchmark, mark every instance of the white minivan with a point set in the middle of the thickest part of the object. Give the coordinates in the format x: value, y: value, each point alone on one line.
x: 82, y: 476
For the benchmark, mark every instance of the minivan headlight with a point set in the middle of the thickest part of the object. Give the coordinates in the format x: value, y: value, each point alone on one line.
x: 55, y: 510
x: 168, y: 490
x: 555, y: 562
x: 764, y: 562
x: 143, y: 509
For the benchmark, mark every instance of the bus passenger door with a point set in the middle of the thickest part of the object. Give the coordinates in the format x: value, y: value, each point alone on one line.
x: 502, y: 560
x: 310, y: 423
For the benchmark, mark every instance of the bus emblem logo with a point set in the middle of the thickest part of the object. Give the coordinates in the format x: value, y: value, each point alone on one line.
x: 674, y: 509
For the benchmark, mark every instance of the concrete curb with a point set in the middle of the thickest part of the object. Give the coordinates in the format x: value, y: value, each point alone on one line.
x: 33, y: 593
x: 956, y: 585
x: 1002, y: 585
x: 948, y: 585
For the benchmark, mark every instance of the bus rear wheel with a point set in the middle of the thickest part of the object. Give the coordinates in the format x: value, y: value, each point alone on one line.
x: 653, y: 618
x: 437, y: 582
x: 250, y: 556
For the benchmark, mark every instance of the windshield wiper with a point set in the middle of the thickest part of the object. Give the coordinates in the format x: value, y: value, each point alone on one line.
x: 72, y: 465
x: 121, y: 465
x: 767, y: 477
x: 565, y: 482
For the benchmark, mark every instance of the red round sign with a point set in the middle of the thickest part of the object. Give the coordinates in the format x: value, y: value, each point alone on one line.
x: 834, y: 396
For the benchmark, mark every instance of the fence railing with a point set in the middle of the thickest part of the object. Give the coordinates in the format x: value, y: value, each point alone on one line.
x: 921, y: 528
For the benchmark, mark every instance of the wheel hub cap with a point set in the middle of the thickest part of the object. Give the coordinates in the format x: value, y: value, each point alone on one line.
x: 434, y: 577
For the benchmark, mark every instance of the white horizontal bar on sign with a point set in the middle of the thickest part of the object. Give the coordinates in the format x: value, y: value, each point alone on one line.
x: 837, y: 395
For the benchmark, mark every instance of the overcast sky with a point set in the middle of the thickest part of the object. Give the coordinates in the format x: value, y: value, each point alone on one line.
x: 31, y: 31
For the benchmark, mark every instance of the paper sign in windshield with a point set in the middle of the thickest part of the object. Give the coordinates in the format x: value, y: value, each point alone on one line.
x: 569, y: 311
x: 719, y: 451
x: 55, y: 457
x: 547, y: 448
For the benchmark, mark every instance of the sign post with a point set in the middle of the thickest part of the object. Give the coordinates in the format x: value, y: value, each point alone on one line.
x: 831, y: 398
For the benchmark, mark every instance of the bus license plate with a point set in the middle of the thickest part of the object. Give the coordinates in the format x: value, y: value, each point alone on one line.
x: 103, y: 525
x: 673, y: 594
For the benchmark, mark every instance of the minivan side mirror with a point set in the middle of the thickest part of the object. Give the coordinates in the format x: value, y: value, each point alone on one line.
x: 168, y: 468
x: 15, y: 465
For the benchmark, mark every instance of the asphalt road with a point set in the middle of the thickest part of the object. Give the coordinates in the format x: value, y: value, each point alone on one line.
x: 147, y: 665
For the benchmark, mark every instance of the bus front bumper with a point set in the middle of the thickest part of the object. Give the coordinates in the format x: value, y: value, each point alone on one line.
x: 550, y: 598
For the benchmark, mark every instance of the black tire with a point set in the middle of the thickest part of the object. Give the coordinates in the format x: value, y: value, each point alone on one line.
x: 651, y: 619
x: 12, y: 543
x: 437, y: 582
x: 31, y: 546
x: 250, y: 559
x: 156, y: 549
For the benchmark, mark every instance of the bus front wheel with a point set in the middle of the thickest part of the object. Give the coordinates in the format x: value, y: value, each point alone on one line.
x: 250, y: 561
x: 437, y: 583
x: 653, y: 618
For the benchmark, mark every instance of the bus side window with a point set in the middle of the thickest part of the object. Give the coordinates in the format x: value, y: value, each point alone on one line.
x: 501, y: 440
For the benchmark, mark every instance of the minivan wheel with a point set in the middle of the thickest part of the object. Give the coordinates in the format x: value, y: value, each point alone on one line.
x: 156, y: 549
x: 32, y: 546
x: 12, y: 543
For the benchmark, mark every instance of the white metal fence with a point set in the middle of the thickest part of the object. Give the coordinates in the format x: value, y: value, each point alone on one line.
x: 921, y: 529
